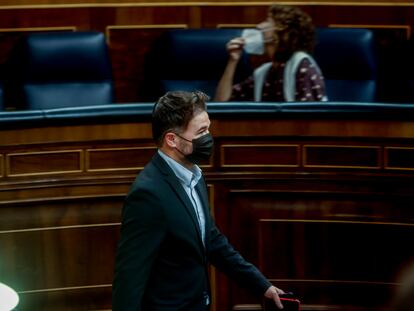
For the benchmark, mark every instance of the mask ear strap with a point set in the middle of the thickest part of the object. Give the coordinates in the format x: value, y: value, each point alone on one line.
x: 176, y: 148
x: 180, y: 151
x: 190, y: 141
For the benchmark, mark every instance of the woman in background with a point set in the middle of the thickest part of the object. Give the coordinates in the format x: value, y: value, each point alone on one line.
x: 287, y: 37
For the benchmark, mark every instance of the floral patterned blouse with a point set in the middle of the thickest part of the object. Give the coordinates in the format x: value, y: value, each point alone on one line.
x: 310, y: 85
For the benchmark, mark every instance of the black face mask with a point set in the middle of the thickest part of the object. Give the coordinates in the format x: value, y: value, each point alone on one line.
x: 202, y: 148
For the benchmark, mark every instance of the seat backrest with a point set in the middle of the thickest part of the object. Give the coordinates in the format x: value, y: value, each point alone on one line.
x: 2, y: 101
x: 347, y: 59
x: 1, y: 97
x: 191, y: 59
x: 400, y: 78
x: 62, y: 69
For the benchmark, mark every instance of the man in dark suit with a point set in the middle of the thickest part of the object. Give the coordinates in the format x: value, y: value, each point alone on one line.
x: 168, y: 236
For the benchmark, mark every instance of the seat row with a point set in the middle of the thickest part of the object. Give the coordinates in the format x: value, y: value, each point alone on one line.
x: 52, y: 70
x: 195, y: 58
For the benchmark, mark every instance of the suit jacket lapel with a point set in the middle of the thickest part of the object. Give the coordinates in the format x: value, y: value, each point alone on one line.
x: 179, y: 190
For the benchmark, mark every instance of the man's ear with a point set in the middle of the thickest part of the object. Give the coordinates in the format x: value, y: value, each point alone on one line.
x: 170, y: 140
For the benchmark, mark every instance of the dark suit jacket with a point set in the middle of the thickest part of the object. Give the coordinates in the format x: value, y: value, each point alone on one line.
x: 161, y: 262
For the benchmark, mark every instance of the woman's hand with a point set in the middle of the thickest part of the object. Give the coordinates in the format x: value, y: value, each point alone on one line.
x: 235, y: 48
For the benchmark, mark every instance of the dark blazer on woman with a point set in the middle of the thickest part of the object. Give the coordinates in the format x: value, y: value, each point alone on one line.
x: 161, y: 262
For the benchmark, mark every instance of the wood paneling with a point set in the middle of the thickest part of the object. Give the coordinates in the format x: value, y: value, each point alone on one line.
x: 339, y: 255
x: 260, y: 155
x: 68, y: 299
x: 65, y: 213
x: 322, y: 243
x: 351, y: 244
x: 399, y: 158
x: 342, y: 156
x: 32, y: 163
x: 129, y: 45
x: 328, y: 155
x: 58, y: 251
x: 1, y: 165
x: 118, y: 158
x: 40, y: 253
x: 287, y: 215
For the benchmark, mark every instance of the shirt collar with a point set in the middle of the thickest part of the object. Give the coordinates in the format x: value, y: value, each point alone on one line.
x: 187, y: 177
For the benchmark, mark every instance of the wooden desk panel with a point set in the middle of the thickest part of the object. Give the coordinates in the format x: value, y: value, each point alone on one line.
x: 287, y: 191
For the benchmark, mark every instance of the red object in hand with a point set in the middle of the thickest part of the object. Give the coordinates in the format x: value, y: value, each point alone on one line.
x: 289, y: 304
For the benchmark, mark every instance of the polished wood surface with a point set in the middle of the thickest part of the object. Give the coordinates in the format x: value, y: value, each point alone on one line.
x: 321, y: 206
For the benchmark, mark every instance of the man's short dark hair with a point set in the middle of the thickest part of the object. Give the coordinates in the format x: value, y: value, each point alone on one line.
x: 174, y: 110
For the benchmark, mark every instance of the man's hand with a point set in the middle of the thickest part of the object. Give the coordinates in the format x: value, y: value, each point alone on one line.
x: 273, y: 293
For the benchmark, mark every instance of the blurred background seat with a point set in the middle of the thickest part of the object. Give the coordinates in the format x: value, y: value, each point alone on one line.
x: 52, y: 70
x: 1, y: 97
x: 347, y: 59
x: 401, y: 74
x: 190, y: 59
x: 1, y: 89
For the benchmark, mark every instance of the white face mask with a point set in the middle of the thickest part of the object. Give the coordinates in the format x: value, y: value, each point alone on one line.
x: 253, y: 41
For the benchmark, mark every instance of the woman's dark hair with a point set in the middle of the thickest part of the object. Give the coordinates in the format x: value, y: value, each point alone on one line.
x: 174, y: 111
x: 294, y: 31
